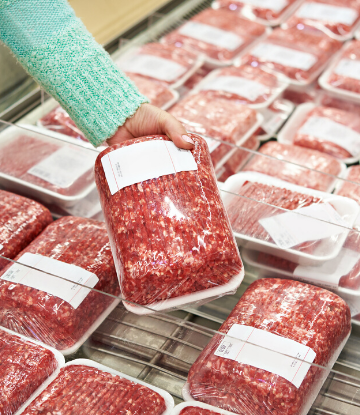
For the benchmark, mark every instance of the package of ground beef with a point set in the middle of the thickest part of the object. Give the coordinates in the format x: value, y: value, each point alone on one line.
x: 219, y: 34
x: 299, y: 54
x: 21, y: 221
x: 270, y: 12
x: 320, y: 169
x: 198, y: 408
x: 272, y: 336
x: 25, y: 366
x: 102, y: 390
x: 170, y: 235
x: 163, y: 62
x: 334, y: 17
x: 57, y: 312
x: 246, y: 84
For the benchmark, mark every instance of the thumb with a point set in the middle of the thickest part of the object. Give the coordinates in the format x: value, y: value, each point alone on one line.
x: 176, y: 132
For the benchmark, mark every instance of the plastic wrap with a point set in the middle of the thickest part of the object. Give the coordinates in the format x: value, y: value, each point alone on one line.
x: 170, y: 231
x: 348, y: 189
x: 21, y: 221
x: 238, y: 159
x: 85, y: 384
x: 24, y: 367
x: 335, y: 17
x: 298, y: 54
x: 39, y: 314
x: 198, y: 408
x: 327, y: 100
x: 245, y: 84
x: 272, y: 12
x: 308, y: 315
x: 311, y: 159
x: 219, y: 34
x: 323, y: 130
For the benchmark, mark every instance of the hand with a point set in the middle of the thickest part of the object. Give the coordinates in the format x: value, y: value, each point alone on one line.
x: 150, y: 120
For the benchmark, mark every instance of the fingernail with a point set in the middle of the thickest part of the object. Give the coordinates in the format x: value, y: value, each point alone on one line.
x: 188, y: 139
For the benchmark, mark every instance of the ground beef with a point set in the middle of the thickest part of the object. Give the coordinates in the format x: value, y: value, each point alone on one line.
x: 195, y: 410
x: 267, y: 81
x: 246, y: 211
x: 215, y: 118
x: 24, y: 367
x: 336, y: 28
x: 311, y: 159
x: 29, y: 151
x: 248, y: 10
x: 37, y: 314
x: 345, y: 118
x: 351, y: 53
x: 198, y: 76
x: 306, y: 314
x: 246, y: 31
x: 21, y: 221
x: 307, y: 40
x: 238, y: 159
x: 78, y: 387
x: 329, y: 101
x: 300, y: 96
x: 159, y: 254
x: 351, y: 190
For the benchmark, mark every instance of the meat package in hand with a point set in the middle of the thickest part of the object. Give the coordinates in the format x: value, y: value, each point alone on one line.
x: 218, y: 34
x: 21, y: 221
x: 54, y: 311
x: 286, y: 316
x: 331, y: 131
x: 287, y: 166
x: 218, y: 118
x: 24, y: 367
x: 168, y: 228
x: 80, y: 386
x: 298, y: 54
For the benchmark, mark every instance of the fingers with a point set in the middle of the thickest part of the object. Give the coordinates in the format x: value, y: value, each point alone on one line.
x: 122, y: 134
x: 175, y: 131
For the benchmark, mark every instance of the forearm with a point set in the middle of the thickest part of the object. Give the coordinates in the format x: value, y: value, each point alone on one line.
x: 55, y: 48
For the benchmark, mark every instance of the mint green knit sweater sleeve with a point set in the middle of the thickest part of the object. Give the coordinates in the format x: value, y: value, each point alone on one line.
x: 55, y: 48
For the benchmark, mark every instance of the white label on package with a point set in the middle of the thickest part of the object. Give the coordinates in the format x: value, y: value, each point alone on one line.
x: 284, y: 56
x: 329, y: 130
x: 311, y: 223
x: 66, y: 165
x: 66, y: 290
x: 213, y: 144
x: 327, y: 13
x: 243, y: 87
x: 329, y: 273
x: 212, y: 35
x: 349, y: 68
x: 144, y: 161
x: 275, y: 5
x: 153, y: 66
x: 257, y: 354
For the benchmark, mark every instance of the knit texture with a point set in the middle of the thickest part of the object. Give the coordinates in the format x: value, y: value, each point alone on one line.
x: 55, y: 48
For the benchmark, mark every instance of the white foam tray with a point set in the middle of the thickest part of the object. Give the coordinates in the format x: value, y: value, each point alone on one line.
x: 326, y: 249
x: 287, y: 133
x: 183, y: 405
x: 58, y: 356
x: 32, y: 190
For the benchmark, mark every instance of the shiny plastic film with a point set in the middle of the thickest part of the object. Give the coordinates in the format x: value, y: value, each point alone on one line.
x: 166, y: 223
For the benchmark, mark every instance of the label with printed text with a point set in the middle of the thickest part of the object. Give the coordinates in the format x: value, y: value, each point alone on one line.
x: 327, y: 13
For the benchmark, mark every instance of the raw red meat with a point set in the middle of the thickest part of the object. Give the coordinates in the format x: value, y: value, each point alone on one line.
x: 246, y: 211
x: 249, y: 10
x: 345, y: 118
x: 21, y: 221
x: 351, y: 190
x: 306, y: 314
x: 236, y: 161
x: 28, y: 151
x: 329, y: 101
x: 78, y: 387
x: 268, y: 81
x: 195, y: 410
x: 198, y: 76
x: 352, y: 54
x: 37, y: 314
x: 285, y: 168
x: 160, y: 254
x: 58, y: 120
x: 245, y: 30
x: 301, y: 96
x: 327, y: 25
x: 24, y: 367
x: 217, y: 118
x: 308, y: 40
